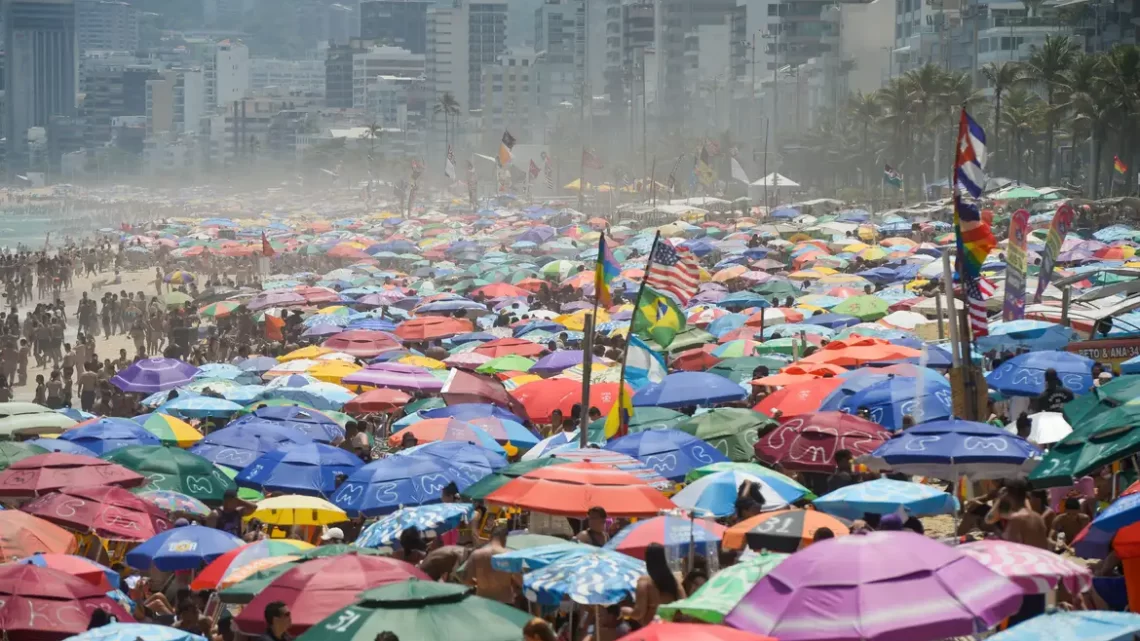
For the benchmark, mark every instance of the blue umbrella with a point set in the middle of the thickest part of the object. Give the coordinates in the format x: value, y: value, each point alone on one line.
x: 58, y: 445
x: 136, y: 632
x: 884, y: 496
x: 258, y: 364
x: 75, y: 414
x: 107, y: 434
x: 469, y: 462
x: 315, y: 424
x: 1089, y: 625
x: 301, y: 469
x: 236, y: 446
x: 428, y: 519
x: 716, y: 493
x: 200, y: 407
x: 383, y: 486
x: 1024, y: 374
x: 182, y: 548
x: 1029, y: 334
x: 832, y: 321
x: 726, y: 324
x: 952, y: 448
x: 671, y: 453
x: 291, y: 380
x: 244, y: 394
x: 599, y: 577
x: 468, y: 411
x: 520, y: 561
x: 220, y: 370
x: 743, y: 299
x: 924, y: 398
x: 317, y: 396
x: 683, y: 389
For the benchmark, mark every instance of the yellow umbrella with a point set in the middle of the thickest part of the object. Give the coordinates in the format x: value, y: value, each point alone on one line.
x: 917, y: 284
x: 332, y: 309
x: 294, y: 509
x: 333, y: 371
x: 671, y: 230
x: 835, y: 278
x: 856, y: 247
x: 806, y: 274
x: 422, y: 361
x: 729, y: 273
x: 312, y: 351
x: 577, y: 321
x: 873, y: 253
x: 810, y: 308
x: 519, y: 381
x: 898, y: 241
x: 866, y: 232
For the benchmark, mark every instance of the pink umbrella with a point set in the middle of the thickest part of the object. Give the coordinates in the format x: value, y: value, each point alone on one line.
x: 395, y: 376
x: 468, y: 360
x: 365, y: 343
x: 882, y: 586
x: 275, y: 298
x: 1037, y: 571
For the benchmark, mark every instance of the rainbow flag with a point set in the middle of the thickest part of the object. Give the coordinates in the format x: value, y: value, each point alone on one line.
x: 1119, y: 165
x: 605, y: 272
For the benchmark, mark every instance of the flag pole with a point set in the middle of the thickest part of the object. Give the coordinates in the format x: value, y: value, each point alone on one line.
x: 582, y: 181
x: 961, y: 318
x: 587, y: 371
x: 653, y: 182
x: 625, y: 352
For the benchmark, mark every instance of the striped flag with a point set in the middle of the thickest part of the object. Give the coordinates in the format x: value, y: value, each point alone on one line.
x: 674, y: 270
x: 972, y: 235
x: 548, y: 170
x: 449, y: 164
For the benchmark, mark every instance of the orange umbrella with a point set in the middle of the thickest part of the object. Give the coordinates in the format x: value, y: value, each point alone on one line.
x: 533, y: 285
x: 361, y: 342
x: 432, y: 327
x: 799, y: 373
x: 786, y: 530
x: 853, y: 353
x: 22, y: 535
x: 507, y: 346
x: 775, y: 316
x: 376, y: 401
x: 697, y: 359
x: 572, y: 489
x: 541, y: 398
x: 799, y: 398
x: 499, y: 290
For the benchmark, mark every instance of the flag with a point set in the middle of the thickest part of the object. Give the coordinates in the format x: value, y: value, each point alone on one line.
x: 643, y: 365
x: 534, y: 170
x: 548, y: 169
x: 606, y: 270
x: 417, y: 169
x: 1058, y: 229
x: 703, y: 170
x: 1013, y: 307
x: 972, y: 236
x: 266, y: 248
x: 738, y: 172
x: 617, y: 422
x: 274, y: 328
x: 657, y: 316
x: 1119, y: 165
x: 449, y: 164
x: 892, y: 177
x: 674, y: 270
x: 505, y: 148
x: 712, y: 147
x: 970, y: 157
x: 591, y: 161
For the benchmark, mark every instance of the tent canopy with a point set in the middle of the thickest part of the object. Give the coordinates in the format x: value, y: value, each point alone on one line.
x: 775, y: 180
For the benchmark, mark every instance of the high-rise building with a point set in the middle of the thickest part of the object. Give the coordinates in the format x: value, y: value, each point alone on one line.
x: 560, y: 43
x: 338, y: 76
x: 510, y: 96
x: 306, y: 77
x: 382, y: 61
x: 399, y: 23
x: 110, y: 25
x: 520, y: 22
x: 461, y: 40
x: 678, y: 44
x: 109, y: 93
x: 41, y: 63
x: 174, y: 103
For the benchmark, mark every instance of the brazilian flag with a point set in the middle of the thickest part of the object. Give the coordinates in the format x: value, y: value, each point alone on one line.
x: 657, y: 316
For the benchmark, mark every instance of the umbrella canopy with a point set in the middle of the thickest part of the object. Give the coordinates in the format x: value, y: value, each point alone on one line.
x: 396, y: 376
x: 783, y: 531
x: 175, y: 502
x: 720, y: 594
x: 42, y: 604
x: 676, y: 534
x: 1075, y: 626
x: 597, y: 577
x: 671, y: 453
x: 682, y: 389
x: 662, y: 631
x: 1024, y: 374
x: 30, y: 419
x: 174, y: 469
x: 1037, y: 571
x: 241, y: 443
x: 428, y: 519
x: 808, y: 442
x: 886, y: 496
x: 871, y: 583
x: 447, y: 429
x: 22, y: 535
x: 168, y: 429
x: 716, y: 494
x: 137, y: 632
x: 316, y: 589
x: 303, y: 469
x: 98, y: 575
x: 294, y: 509
x: 799, y: 398
x: 481, y: 488
x: 572, y: 489
x: 44, y: 473
x: 182, y: 548
x: 953, y: 448
x: 108, y: 512
x: 383, y: 486
x: 104, y: 435
x: 541, y: 398
x: 362, y: 342
x: 225, y: 565
x: 10, y: 452
x: 151, y: 375
x: 410, y: 608
x: 733, y: 431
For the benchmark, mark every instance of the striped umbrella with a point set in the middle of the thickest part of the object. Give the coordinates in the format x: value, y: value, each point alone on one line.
x: 168, y: 429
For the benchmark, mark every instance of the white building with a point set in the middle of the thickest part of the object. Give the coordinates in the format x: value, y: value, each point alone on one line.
x: 382, y: 61
x: 175, y: 103
x: 1007, y: 34
x: 461, y: 39
x: 107, y: 25
x: 228, y: 73
x: 388, y: 100
x: 306, y: 77
x: 510, y: 95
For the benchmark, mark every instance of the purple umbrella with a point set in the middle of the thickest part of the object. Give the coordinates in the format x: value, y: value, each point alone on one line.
x: 883, y: 586
x: 323, y: 329
x: 712, y: 296
x: 555, y: 362
x: 152, y: 375
x: 389, y: 297
x: 395, y: 376
x: 275, y: 298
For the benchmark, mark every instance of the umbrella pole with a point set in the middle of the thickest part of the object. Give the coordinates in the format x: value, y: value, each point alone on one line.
x: 692, y: 540
x: 587, y: 371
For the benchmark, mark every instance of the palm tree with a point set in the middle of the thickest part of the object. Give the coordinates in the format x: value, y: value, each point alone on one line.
x: 865, y: 109
x: 1001, y: 78
x: 897, y: 99
x: 448, y: 106
x: 372, y: 131
x: 1047, y: 66
x: 1021, y: 118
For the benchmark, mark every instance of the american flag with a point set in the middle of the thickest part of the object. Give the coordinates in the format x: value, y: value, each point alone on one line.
x: 976, y: 305
x: 548, y: 170
x: 674, y: 270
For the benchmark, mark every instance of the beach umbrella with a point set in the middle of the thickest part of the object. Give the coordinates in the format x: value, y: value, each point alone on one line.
x: 176, y: 299
x: 239, y: 444
x: 151, y: 375
x: 663, y: 631
x: 316, y: 589
x: 294, y: 509
x: 510, y: 346
x: 808, y: 442
x: 10, y: 452
x: 295, y: 416
x: 866, y: 308
x: 430, y: 520
x: 923, y: 398
x: 733, y: 431
x: 22, y: 535
x: 719, y: 595
x: 574, y: 488
x: 182, y: 548
x: 670, y: 452
x: 170, y: 468
x: 258, y: 364
x: 748, y: 468
x: 683, y: 389
x: 541, y: 398
x: 677, y: 534
x: 396, y: 376
x: 362, y: 343
x: 799, y: 398
x: 42, y: 604
x: 522, y: 560
x: 94, y: 573
x: 104, y: 435
x: 377, y: 401
x: 174, y: 502
x: 782, y: 531
x: 425, y: 328
x: 201, y: 407
x: 45, y: 473
x: 1094, y: 625
x: 509, y: 363
x: 1024, y: 374
x: 168, y: 429
x: 598, y: 577
x: 716, y: 494
x: 556, y: 362
x: 488, y: 484
x: 227, y: 564
x: 219, y: 309
x: 468, y: 462
x: 383, y: 486
x: 871, y: 583
x: 447, y: 429
x: 30, y: 419
x: 119, y: 631
x: 309, y: 469
x: 105, y: 511
x: 1035, y: 570
x: 1029, y: 334
x: 954, y: 448
x: 410, y: 607
x: 1047, y: 428
x: 886, y: 496
x: 250, y: 582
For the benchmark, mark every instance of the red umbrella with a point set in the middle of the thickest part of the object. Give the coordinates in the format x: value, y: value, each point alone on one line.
x: 347, y: 251
x: 22, y: 535
x: 316, y: 589
x: 508, y: 346
x: 572, y: 489
x: 76, y: 566
x: 365, y: 343
x: 41, y: 604
x: 860, y: 350
x: 318, y: 294
x: 377, y: 401
x: 808, y: 442
x: 500, y: 290
x: 798, y: 398
x: 663, y: 631
x: 427, y: 328
x: 697, y: 359
x: 465, y: 387
x: 533, y: 285
x: 45, y: 473
x: 541, y: 398
x: 108, y: 512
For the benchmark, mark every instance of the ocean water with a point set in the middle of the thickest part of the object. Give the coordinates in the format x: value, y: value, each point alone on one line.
x: 31, y: 226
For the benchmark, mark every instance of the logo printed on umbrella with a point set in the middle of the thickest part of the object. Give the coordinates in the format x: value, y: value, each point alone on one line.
x: 981, y: 443
x: 116, y: 519
x: 701, y: 454
x: 919, y: 444
x: 386, y: 494
x: 662, y: 463
x: 199, y: 484
x: 183, y: 546
x: 432, y: 484
x: 348, y: 493
x: 68, y: 507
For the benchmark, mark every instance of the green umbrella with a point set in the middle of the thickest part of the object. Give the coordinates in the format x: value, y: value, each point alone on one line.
x: 780, y: 288
x: 508, y: 363
x: 431, y: 403
x: 10, y: 452
x: 244, y: 493
x: 754, y: 469
x: 713, y: 600
x: 782, y: 345
x: 740, y: 369
x: 1119, y: 391
x: 29, y: 419
x: 867, y: 308
x: 415, y: 609
x: 336, y: 549
x: 732, y: 430
x: 692, y: 337
x: 243, y: 591
x: 559, y: 269
x: 171, y: 468
x: 484, y: 486
x: 176, y: 299
x: 273, y: 402
x: 1101, y: 438
x: 645, y: 418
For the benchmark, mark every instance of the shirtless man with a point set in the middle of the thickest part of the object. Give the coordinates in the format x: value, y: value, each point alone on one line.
x: 489, y: 582
x: 1069, y: 522
x: 1022, y: 524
